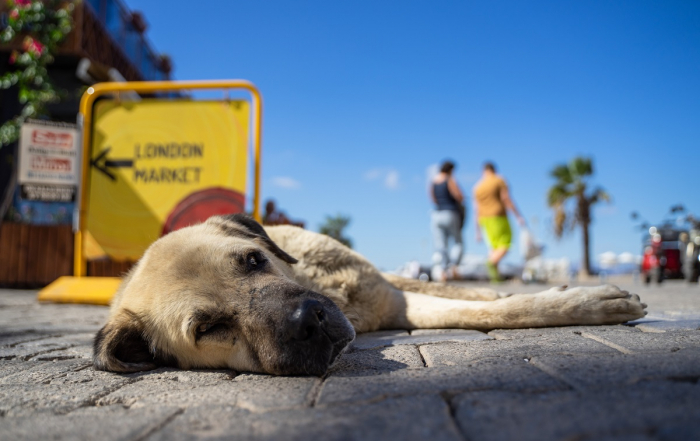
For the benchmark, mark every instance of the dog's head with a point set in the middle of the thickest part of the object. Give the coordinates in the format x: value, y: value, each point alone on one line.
x: 220, y: 295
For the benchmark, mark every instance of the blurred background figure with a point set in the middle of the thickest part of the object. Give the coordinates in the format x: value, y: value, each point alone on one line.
x: 491, y: 204
x: 273, y: 216
x: 446, y: 222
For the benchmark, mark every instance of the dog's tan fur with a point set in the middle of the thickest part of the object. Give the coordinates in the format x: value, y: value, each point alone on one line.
x: 195, y: 274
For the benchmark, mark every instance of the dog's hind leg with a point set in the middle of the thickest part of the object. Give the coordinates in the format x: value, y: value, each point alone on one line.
x: 438, y: 289
x: 598, y: 305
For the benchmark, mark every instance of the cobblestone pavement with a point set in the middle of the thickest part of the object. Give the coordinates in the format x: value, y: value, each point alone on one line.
x: 631, y: 382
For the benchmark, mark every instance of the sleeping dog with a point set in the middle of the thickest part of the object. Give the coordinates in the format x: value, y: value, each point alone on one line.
x: 229, y: 293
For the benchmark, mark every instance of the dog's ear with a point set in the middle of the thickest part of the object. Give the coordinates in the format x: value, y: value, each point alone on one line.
x: 120, y: 346
x: 246, y: 226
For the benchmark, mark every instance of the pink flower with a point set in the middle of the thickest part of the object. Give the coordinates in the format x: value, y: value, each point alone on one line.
x: 34, y: 47
x: 14, y: 14
x: 23, y: 3
x: 37, y: 48
x: 13, y: 57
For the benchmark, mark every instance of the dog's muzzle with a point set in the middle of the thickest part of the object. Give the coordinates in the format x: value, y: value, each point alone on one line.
x: 306, y: 320
x: 313, y: 335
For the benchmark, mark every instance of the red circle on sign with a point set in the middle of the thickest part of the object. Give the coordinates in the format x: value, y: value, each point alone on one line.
x: 200, y: 206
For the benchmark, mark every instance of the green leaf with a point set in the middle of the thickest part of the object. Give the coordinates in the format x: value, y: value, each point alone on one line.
x: 48, y: 22
x: 562, y: 173
x: 598, y: 195
x: 23, y: 95
x: 581, y: 167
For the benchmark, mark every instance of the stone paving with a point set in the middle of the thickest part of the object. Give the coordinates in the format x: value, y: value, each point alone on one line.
x: 630, y: 382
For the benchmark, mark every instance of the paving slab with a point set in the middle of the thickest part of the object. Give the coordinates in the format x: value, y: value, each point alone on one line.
x: 669, y: 325
x: 379, y: 339
x: 17, y: 297
x: 81, y: 351
x: 39, y: 371
x: 673, y: 300
x: 491, y: 373
x: 417, y: 337
x: 91, y: 423
x: 58, y: 395
x: 9, y: 339
x: 54, y: 386
x: 540, y: 333
x: 12, y: 367
x: 39, y: 317
x: 376, y: 361
x: 649, y: 411
x: 633, y: 340
x: 407, y: 418
x: 515, y: 347
x: 265, y: 392
x: 600, y: 371
x: 208, y: 388
x: 28, y: 349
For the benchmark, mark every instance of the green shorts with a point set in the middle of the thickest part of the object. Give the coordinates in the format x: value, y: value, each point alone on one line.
x: 497, y: 231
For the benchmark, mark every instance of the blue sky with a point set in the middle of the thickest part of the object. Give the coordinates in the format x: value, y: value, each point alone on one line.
x: 361, y: 97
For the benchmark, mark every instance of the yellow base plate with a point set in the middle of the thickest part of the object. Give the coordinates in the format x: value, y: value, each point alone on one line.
x: 90, y: 290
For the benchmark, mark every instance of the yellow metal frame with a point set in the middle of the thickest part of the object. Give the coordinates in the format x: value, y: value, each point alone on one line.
x: 100, y: 89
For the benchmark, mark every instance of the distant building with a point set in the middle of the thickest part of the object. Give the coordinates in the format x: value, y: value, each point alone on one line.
x: 108, y: 43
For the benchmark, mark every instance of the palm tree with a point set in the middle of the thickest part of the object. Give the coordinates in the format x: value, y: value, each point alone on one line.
x: 572, y: 184
x: 334, y: 226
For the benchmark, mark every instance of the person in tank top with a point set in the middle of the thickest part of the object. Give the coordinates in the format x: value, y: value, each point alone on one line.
x: 446, y: 223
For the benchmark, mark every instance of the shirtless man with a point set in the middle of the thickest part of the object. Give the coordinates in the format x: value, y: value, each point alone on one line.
x: 491, y: 204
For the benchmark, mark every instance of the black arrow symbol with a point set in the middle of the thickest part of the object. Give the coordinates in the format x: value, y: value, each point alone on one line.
x: 103, y: 164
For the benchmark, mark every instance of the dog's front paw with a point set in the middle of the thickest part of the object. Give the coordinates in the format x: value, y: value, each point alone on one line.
x: 603, y: 305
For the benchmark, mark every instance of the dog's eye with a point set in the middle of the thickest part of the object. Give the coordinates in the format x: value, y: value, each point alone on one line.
x: 204, y: 327
x: 254, y: 261
x: 209, y: 328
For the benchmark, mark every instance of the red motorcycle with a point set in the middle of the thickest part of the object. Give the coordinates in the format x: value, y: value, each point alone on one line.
x: 662, y: 255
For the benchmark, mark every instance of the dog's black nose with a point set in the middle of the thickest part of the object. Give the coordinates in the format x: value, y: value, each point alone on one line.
x: 306, y: 319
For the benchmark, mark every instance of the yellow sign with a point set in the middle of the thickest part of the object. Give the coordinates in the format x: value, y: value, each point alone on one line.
x: 159, y: 165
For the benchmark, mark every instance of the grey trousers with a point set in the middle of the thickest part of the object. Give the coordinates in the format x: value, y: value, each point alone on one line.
x: 445, y: 226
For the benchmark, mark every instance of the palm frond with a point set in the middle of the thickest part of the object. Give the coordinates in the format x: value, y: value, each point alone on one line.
x: 581, y: 167
x: 562, y: 174
x: 598, y: 195
x: 560, y: 221
x: 558, y: 194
